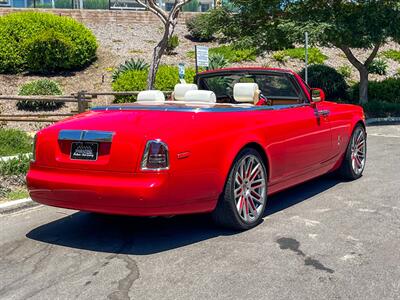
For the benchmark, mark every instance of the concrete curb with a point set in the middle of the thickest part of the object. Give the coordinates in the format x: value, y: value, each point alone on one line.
x: 387, y: 120
x: 16, y: 205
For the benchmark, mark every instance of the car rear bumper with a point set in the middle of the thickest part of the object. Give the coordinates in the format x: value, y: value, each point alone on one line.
x: 144, y: 194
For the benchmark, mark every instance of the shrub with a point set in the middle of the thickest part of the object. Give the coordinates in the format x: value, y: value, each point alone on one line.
x: 15, y: 166
x: 315, y: 56
x: 168, y: 76
x: 217, y: 61
x: 39, y: 87
x: 199, y: 28
x: 328, y: 79
x: 392, y: 54
x: 46, y: 52
x: 13, y: 141
x: 173, y: 43
x: 46, y: 35
x: 378, y: 66
x: 280, y: 56
x: 132, y: 80
x: 345, y: 71
x: 387, y: 91
x: 129, y: 65
x: 166, y: 79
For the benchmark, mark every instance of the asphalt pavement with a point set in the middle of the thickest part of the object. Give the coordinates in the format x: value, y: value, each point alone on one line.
x: 324, y: 239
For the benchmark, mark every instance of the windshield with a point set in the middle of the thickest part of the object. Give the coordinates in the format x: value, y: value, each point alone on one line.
x: 272, y: 86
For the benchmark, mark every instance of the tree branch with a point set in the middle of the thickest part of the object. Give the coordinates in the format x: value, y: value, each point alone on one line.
x: 372, y: 56
x: 350, y: 56
x: 177, y: 7
x: 155, y: 9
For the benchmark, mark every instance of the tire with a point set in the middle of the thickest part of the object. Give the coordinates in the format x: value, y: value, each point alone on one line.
x: 353, y: 163
x: 245, y: 208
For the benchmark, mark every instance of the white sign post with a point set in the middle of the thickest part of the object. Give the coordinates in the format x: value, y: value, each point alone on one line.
x: 201, y: 53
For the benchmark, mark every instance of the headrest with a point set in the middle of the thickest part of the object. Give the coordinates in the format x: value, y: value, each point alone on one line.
x: 200, y: 96
x: 245, y: 92
x: 151, y: 95
x: 181, y: 89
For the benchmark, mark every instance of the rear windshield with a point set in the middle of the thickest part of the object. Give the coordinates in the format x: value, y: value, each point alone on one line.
x: 272, y: 86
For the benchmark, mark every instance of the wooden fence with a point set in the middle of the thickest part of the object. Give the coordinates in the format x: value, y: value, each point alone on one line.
x: 81, y: 98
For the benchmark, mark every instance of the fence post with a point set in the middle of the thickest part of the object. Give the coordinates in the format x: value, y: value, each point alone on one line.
x: 81, y: 99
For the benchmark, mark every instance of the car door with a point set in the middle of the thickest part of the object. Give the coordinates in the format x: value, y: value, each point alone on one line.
x: 301, y: 132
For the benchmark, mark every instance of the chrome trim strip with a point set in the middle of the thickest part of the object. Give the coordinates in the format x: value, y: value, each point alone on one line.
x: 86, y: 135
x: 195, y: 109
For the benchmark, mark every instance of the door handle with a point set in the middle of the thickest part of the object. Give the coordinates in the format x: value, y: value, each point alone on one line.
x: 323, y: 112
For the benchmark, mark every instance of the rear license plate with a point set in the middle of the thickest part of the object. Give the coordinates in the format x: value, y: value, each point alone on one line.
x: 84, y: 150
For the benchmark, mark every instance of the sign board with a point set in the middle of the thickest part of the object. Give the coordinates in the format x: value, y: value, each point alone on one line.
x: 181, y: 70
x: 202, y: 56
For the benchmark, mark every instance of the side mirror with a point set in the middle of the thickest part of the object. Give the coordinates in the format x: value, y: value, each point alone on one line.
x: 317, y: 95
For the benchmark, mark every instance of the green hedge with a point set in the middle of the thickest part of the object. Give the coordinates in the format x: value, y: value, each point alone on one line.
x: 44, y: 42
x: 13, y: 141
x: 136, y: 80
x: 381, y: 109
x: 387, y: 91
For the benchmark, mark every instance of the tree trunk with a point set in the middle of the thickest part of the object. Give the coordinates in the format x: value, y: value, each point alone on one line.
x: 363, y: 85
x: 155, y: 62
x: 157, y: 54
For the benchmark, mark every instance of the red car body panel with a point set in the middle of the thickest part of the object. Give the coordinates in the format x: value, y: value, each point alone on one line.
x: 203, y: 141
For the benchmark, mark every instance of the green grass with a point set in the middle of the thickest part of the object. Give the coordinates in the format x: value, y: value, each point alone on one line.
x: 13, y: 141
x: 230, y: 53
x: 392, y: 54
x: 315, y: 56
x: 17, y: 194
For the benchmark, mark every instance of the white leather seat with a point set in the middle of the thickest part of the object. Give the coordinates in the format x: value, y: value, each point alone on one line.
x: 151, y: 95
x: 200, y: 96
x: 181, y: 89
x: 246, y: 92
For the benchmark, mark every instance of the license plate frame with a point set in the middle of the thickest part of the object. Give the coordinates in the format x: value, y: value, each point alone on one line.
x: 86, y: 151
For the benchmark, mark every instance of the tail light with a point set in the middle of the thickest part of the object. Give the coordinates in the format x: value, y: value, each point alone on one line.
x: 155, y: 156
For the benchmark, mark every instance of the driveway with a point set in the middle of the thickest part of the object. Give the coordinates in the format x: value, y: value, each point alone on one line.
x: 325, y: 239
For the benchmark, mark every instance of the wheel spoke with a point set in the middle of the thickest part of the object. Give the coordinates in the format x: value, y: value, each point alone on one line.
x: 249, y: 167
x: 255, y: 194
x: 252, y: 207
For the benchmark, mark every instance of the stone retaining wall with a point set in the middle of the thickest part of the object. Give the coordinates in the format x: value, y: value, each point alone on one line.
x: 102, y: 16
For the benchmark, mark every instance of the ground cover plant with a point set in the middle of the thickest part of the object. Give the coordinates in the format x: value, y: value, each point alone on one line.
x: 13, y: 141
x: 41, y: 87
x: 231, y: 53
x: 315, y: 56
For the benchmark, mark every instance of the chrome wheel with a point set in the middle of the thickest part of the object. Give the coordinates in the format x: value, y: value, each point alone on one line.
x: 250, y: 188
x: 358, y: 151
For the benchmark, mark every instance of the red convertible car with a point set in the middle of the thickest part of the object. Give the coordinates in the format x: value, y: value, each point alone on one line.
x: 221, y: 145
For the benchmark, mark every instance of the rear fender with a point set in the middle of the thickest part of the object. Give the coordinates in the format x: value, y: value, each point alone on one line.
x: 233, y: 150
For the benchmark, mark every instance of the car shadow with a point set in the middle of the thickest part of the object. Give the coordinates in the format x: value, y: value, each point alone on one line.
x: 144, y: 236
